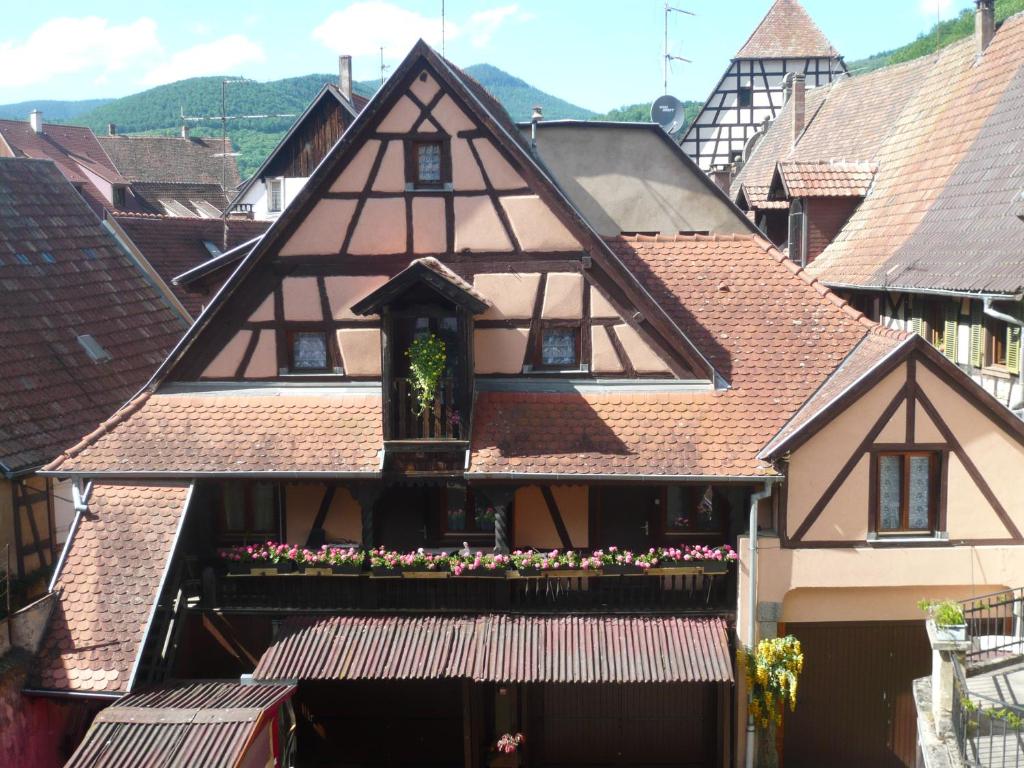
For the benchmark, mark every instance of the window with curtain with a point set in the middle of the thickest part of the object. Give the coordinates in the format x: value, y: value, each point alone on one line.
x: 907, y: 492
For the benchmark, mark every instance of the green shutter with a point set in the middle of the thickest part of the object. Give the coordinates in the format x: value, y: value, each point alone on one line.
x: 917, y: 316
x: 950, y: 329
x: 1013, y: 348
x: 977, y: 335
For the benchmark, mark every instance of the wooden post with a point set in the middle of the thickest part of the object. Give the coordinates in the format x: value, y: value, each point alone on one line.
x: 501, y: 497
x: 468, y: 750
x: 367, y: 496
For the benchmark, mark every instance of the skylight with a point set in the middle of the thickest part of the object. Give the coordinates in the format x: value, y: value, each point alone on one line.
x: 212, y: 247
x: 93, y: 348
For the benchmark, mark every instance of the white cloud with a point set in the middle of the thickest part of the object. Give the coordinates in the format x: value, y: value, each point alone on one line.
x: 363, y: 28
x: 201, y: 28
x: 933, y: 7
x: 217, y: 57
x: 64, y: 46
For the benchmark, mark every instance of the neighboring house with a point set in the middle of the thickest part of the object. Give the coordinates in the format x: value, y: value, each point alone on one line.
x: 787, y: 42
x: 889, y: 191
x: 79, y: 157
x: 632, y: 178
x: 83, y: 328
x: 176, y: 175
x: 595, y: 392
x: 283, y: 174
x: 172, y: 245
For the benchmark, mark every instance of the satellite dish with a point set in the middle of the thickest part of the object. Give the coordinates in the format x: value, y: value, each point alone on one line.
x: 668, y: 112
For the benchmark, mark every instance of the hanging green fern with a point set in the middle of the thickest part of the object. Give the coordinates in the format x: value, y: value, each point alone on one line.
x: 427, y: 359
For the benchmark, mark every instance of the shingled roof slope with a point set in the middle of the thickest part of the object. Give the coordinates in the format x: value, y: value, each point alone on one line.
x: 941, y: 215
x: 175, y: 244
x: 107, y: 588
x: 61, y: 276
x: 830, y: 178
x: 172, y: 159
x: 773, y: 331
x: 786, y: 32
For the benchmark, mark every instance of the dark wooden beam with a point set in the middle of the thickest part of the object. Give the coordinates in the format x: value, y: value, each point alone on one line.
x: 556, y: 517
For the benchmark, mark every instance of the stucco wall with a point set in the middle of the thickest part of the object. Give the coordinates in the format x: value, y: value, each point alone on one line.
x: 302, y: 502
x: 533, y: 525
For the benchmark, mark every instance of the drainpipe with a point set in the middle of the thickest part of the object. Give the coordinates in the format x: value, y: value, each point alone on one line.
x: 755, y: 499
x: 80, y: 493
x: 991, y: 311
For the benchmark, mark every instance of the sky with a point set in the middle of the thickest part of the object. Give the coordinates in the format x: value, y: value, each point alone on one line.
x: 599, y: 54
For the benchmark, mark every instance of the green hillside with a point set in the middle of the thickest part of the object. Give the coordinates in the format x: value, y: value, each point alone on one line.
x: 940, y: 35
x: 641, y: 113
x: 58, y: 111
x: 519, y: 97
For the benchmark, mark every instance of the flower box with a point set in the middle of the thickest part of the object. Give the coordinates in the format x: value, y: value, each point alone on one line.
x: 569, y: 573
x: 715, y: 567
x: 951, y: 633
x: 331, y: 570
x: 378, y: 572
x: 416, y: 573
x: 676, y: 570
x: 481, y: 573
x: 530, y: 573
x: 271, y: 569
x: 623, y: 570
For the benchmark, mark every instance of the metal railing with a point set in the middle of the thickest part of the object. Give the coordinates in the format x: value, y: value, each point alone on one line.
x: 995, y: 625
x: 989, y: 732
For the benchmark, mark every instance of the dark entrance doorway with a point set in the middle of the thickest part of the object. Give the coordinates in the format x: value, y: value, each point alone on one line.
x: 625, y: 516
x: 361, y: 724
x: 643, y: 726
x: 856, y: 706
x: 405, y: 517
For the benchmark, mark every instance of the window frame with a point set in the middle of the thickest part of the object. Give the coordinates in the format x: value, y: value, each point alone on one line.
x: 538, y: 363
x: 412, y: 166
x: 936, y: 502
x: 798, y: 216
x: 249, y: 533
x: 119, y: 196
x: 468, y: 533
x: 694, y: 492
x: 748, y: 90
x: 278, y: 182
x: 333, y: 355
x: 996, y: 347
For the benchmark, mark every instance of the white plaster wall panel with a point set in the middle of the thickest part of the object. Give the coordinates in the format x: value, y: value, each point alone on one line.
x: 301, y: 299
x: 536, y: 227
x: 264, y: 312
x: 600, y: 307
x: 360, y: 351
x: 451, y: 118
x: 225, y: 364
x: 603, y: 358
x: 465, y: 169
x: 429, y: 232
x: 641, y: 354
x: 380, y: 229
x: 345, y: 290
x: 323, y: 231
x: 563, y: 296
x: 391, y: 174
x: 925, y: 430
x: 263, y: 364
x: 501, y: 174
x: 499, y: 350
x: 512, y: 295
x: 354, y: 176
x: 402, y: 117
x: 477, y: 226
x: 424, y: 87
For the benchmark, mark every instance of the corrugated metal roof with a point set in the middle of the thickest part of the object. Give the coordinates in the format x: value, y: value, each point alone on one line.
x: 193, y: 724
x: 501, y: 648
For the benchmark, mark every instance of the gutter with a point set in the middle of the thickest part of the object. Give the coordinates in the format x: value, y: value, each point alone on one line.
x: 755, y: 499
x: 72, y: 694
x: 929, y: 291
x: 80, y: 499
x: 991, y: 311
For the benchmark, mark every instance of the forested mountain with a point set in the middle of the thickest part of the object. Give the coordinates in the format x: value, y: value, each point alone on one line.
x: 61, y: 111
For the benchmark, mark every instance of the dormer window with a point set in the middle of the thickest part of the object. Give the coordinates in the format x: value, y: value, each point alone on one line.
x: 120, y: 197
x: 309, y: 352
x: 275, y: 195
x: 560, y: 346
x: 428, y: 164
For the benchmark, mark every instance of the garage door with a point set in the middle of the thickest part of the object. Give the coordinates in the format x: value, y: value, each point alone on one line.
x: 634, y: 725
x: 855, y: 705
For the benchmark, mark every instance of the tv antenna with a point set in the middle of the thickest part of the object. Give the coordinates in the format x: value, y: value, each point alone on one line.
x: 383, y: 67
x: 669, y: 58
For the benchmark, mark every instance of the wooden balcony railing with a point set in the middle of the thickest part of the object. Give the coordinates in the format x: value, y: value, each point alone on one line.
x: 441, y: 421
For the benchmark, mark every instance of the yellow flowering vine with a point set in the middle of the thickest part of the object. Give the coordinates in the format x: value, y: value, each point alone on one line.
x: 773, y: 672
x: 427, y: 357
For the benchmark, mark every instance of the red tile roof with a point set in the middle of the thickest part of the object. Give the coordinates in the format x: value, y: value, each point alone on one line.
x: 195, y: 434
x: 62, y: 275
x: 189, y: 724
x: 173, y: 160
x: 501, y: 648
x: 174, y: 245
x: 107, y: 587
x: 786, y: 32
x: 823, y: 178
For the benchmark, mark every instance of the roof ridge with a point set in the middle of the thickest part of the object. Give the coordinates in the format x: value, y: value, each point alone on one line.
x: 119, y: 415
x: 715, y: 237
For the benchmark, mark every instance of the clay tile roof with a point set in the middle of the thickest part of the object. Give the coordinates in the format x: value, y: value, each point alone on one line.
x: 824, y: 178
x: 172, y: 159
x: 196, y: 434
x: 107, y: 587
x: 174, y: 245
x: 771, y: 330
x: 441, y: 270
x: 62, y: 275
x: 786, y: 32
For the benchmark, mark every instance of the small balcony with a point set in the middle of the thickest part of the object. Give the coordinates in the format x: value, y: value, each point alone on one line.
x: 443, y: 420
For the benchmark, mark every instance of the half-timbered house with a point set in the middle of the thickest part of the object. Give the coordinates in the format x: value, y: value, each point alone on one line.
x: 785, y: 44
x: 594, y: 395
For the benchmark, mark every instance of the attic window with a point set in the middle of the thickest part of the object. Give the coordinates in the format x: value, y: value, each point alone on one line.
x: 275, y: 195
x: 745, y: 96
x: 93, y: 348
x: 211, y: 248
x: 120, y: 197
x: 428, y: 164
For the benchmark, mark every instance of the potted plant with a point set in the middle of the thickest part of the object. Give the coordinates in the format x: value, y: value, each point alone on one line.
x: 772, y: 670
x: 427, y: 360
x: 675, y: 561
x: 409, y: 565
x: 480, y: 565
x: 948, y: 616
x: 506, y: 751
x: 622, y: 562
x: 332, y: 561
x: 258, y: 559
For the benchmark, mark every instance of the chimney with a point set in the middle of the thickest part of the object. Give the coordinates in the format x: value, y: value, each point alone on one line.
x: 984, y: 24
x: 35, y: 119
x: 799, y: 94
x: 184, y: 131
x: 722, y: 176
x: 345, y: 76
x: 111, y: 129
